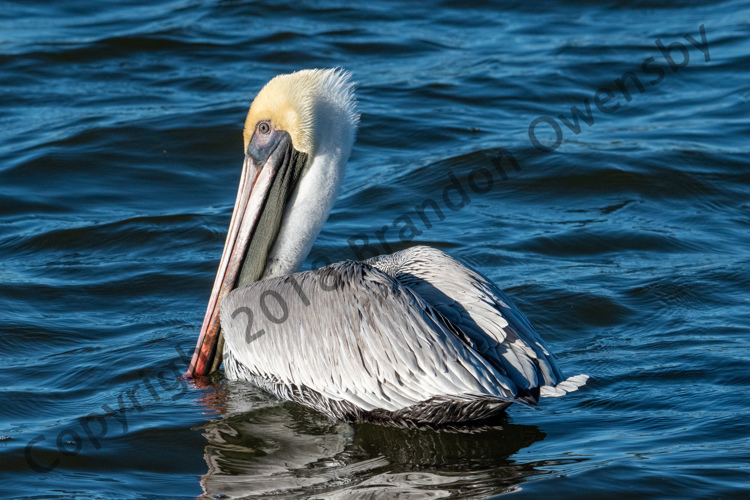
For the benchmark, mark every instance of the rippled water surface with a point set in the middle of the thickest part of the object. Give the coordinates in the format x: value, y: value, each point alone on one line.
x: 627, y: 245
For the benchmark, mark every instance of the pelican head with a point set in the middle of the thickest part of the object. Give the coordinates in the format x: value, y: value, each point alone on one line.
x: 298, y: 136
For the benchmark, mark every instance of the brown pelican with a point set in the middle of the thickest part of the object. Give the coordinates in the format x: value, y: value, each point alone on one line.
x: 413, y: 338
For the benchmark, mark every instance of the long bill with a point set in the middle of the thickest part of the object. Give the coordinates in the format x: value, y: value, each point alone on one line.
x: 265, y: 187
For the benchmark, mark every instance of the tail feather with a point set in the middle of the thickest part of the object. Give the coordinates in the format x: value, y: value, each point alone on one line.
x: 564, y: 387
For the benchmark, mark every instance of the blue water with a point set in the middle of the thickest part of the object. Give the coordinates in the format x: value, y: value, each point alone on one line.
x: 627, y: 245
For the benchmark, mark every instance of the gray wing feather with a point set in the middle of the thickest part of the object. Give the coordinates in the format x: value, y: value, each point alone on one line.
x: 490, y: 322
x: 352, y: 333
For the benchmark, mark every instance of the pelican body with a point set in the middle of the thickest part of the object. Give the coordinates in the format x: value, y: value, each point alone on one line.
x: 415, y: 338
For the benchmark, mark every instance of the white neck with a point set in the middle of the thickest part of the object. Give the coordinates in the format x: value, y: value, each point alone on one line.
x: 309, y: 206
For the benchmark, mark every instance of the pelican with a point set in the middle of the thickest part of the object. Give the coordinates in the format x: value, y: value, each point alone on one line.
x: 416, y: 338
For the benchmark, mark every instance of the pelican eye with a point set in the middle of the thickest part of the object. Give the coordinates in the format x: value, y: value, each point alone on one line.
x: 264, y: 128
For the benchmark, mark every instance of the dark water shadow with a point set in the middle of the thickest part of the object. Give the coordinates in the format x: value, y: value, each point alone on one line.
x: 262, y: 447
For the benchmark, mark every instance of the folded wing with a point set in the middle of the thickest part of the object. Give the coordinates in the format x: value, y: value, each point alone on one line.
x: 491, y: 323
x: 349, y: 332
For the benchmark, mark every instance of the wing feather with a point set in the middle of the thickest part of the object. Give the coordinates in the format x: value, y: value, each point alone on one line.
x: 369, y: 340
x: 489, y: 322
